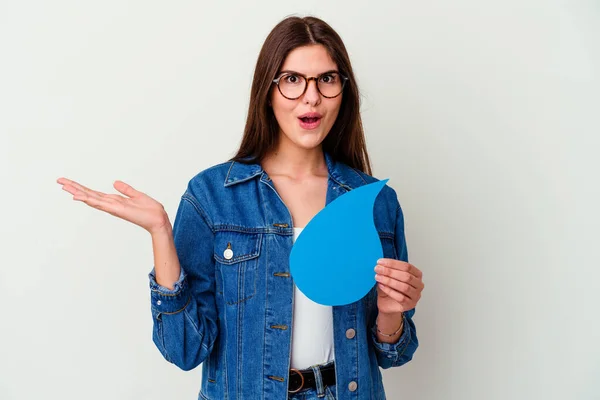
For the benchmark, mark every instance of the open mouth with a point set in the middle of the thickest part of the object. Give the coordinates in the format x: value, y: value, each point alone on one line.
x: 309, y: 123
x: 309, y: 120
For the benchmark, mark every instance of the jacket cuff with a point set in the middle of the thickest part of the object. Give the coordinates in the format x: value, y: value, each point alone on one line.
x: 393, y: 350
x: 169, y: 301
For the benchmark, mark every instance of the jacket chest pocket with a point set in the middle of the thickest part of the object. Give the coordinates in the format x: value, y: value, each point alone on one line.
x: 236, y: 255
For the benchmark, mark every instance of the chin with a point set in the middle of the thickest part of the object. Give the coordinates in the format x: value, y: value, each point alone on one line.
x: 309, y: 141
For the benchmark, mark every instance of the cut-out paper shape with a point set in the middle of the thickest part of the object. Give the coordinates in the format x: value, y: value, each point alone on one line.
x: 332, y: 261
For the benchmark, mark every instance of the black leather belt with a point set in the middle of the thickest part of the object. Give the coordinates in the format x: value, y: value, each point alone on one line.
x: 305, y: 378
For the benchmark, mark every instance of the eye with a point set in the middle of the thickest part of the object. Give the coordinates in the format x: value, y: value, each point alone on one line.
x: 292, y: 78
x: 329, y: 78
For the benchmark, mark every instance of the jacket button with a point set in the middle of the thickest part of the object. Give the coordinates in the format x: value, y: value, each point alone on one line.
x: 350, y: 333
x: 228, y: 254
x: 352, y: 386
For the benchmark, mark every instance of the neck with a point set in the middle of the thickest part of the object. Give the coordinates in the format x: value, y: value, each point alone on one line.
x: 295, y: 162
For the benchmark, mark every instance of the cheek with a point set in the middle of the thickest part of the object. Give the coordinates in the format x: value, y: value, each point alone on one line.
x: 283, y: 110
x: 334, y: 110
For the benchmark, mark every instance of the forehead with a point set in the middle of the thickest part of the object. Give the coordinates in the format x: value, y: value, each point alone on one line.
x: 309, y: 60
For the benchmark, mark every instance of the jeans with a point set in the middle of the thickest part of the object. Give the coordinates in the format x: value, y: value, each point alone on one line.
x: 320, y: 392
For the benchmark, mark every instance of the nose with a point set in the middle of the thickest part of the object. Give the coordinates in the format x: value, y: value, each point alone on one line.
x: 312, y: 95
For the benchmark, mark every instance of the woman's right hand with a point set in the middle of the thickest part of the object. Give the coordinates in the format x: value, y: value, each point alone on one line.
x: 135, y: 206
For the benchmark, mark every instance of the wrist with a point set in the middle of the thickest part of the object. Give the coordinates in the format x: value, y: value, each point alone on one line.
x: 391, y: 315
x: 390, y: 325
x: 163, y: 229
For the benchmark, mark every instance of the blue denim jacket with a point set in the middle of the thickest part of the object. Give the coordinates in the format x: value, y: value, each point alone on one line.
x: 234, y: 315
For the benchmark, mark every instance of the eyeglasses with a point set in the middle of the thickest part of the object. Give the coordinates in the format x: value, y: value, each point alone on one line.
x: 292, y: 85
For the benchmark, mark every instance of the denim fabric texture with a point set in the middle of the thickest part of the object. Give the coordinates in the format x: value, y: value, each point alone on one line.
x: 232, y: 311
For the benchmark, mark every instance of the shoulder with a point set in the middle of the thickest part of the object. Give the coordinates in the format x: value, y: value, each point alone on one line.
x: 206, y: 187
x: 215, y: 173
x: 357, y: 178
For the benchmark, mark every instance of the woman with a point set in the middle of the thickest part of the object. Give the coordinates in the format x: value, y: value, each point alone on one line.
x: 221, y: 290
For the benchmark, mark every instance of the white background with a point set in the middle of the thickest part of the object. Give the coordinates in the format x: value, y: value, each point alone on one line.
x: 484, y: 115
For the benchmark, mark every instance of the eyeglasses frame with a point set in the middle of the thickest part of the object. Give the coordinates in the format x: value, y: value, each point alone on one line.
x: 308, y: 79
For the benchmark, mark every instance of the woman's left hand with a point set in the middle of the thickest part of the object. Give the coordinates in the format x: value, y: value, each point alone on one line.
x: 399, y: 286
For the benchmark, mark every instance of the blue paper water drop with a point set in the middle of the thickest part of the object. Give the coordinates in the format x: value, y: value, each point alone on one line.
x: 333, y: 259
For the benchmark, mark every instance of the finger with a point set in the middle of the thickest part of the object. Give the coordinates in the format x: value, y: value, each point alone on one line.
x: 75, y: 192
x: 80, y: 190
x: 416, y: 271
x: 78, y: 186
x: 380, y: 291
x: 399, y: 297
x: 401, y: 276
x: 398, y: 286
x: 126, y: 189
x: 70, y: 189
x: 395, y: 264
x: 103, y: 204
x: 68, y: 186
x: 80, y: 194
x: 400, y: 265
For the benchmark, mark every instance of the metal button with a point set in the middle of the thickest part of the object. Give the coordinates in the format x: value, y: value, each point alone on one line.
x: 228, y: 253
x: 159, y: 302
x: 352, y: 386
x: 350, y: 333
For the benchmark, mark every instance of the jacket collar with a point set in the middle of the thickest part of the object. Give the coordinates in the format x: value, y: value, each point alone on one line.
x: 338, y: 171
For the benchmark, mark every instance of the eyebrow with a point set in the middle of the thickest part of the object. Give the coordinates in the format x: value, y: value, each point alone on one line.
x: 289, y: 71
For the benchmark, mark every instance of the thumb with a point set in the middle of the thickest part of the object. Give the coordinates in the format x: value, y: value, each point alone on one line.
x: 125, y: 189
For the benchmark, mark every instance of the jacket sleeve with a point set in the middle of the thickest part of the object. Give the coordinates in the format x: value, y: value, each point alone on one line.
x: 185, y: 318
x: 401, y: 352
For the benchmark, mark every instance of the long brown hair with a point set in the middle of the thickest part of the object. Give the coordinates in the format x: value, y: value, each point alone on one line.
x: 345, y: 142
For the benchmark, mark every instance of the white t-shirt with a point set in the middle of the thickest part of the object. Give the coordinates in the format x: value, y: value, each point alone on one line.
x: 312, y: 330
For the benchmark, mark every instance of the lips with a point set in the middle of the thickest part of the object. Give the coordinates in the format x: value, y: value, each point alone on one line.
x: 310, y: 118
x: 310, y: 121
x: 310, y: 115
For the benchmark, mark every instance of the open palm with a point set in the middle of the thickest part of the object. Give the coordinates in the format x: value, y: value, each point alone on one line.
x: 135, y: 206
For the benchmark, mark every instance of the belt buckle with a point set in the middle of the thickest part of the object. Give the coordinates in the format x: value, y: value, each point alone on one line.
x: 301, y: 381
